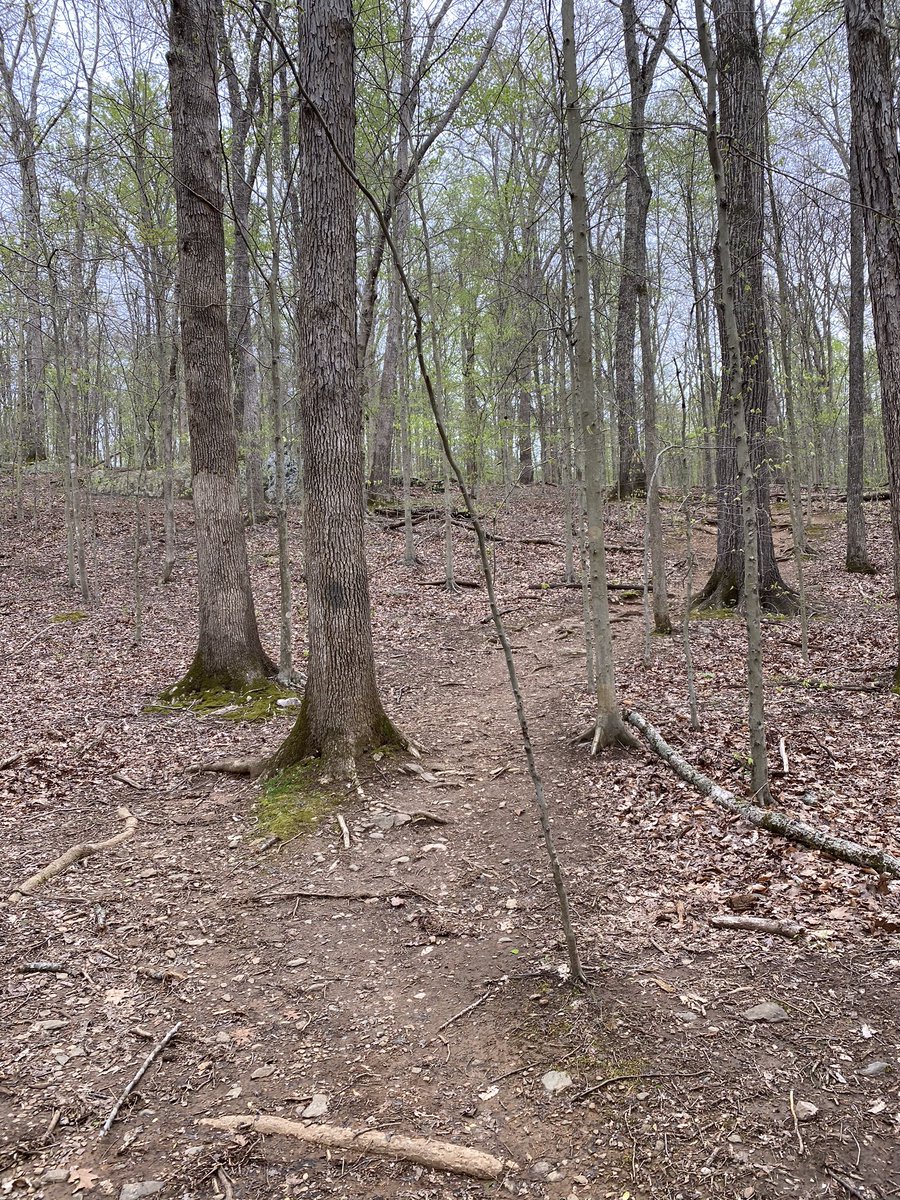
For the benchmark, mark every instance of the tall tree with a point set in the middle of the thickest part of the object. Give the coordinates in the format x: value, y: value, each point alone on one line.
x: 642, y: 63
x: 341, y: 715
x: 742, y: 124
x: 875, y: 131
x: 229, y: 652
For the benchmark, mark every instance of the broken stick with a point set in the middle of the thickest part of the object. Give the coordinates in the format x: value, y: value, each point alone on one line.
x: 440, y: 1156
x: 75, y: 854
x: 769, y: 819
x: 139, y: 1075
x: 788, y: 929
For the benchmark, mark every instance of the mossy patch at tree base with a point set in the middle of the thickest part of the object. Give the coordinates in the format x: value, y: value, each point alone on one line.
x: 293, y: 801
x: 256, y: 702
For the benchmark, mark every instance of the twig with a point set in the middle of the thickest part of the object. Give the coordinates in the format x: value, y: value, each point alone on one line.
x: 796, y: 1123
x: 463, y: 1011
x: 604, y: 1083
x: 40, y: 968
x: 139, y: 1075
x: 345, y: 832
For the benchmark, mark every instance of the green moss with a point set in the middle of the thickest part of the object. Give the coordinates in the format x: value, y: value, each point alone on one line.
x: 256, y: 702
x: 60, y: 618
x: 713, y: 614
x: 291, y: 802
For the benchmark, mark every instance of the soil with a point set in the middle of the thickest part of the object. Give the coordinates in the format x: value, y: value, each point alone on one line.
x: 427, y: 995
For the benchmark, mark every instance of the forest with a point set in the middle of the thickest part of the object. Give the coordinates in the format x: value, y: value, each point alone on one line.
x: 450, y: 599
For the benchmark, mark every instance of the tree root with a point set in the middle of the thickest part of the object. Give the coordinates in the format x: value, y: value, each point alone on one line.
x: 441, y: 1156
x: 802, y: 834
x: 75, y: 854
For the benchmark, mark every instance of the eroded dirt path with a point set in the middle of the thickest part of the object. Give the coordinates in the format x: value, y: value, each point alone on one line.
x: 358, y: 998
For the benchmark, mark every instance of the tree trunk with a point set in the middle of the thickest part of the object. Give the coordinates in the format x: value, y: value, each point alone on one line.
x: 609, y: 726
x: 341, y: 715
x: 742, y: 104
x: 874, y: 120
x: 229, y: 653
x: 857, y: 551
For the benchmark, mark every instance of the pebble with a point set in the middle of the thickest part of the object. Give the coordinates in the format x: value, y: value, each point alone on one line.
x: 137, y: 1191
x: 870, y: 1070
x: 556, y: 1081
x: 767, y: 1011
x: 262, y: 1072
x: 540, y: 1169
x: 317, y: 1107
x: 805, y: 1111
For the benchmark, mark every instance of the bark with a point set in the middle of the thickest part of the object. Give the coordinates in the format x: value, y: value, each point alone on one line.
x: 875, y: 130
x: 229, y: 653
x: 742, y: 124
x: 23, y: 122
x: 609, y: 727
x: 471, y: 421
x: 857, y: 551
x: 736, y: 373
x: 341, y: 715
x: 638, y: 193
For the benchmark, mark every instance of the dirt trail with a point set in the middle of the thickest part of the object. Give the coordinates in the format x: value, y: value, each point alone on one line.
x: 285, y: 996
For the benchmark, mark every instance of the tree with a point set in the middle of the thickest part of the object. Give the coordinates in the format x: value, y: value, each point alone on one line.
x: 642, y: 65
x: 875, y: 130
x: 341, y: 715
x: 742, y: 104
x: 229, y: 653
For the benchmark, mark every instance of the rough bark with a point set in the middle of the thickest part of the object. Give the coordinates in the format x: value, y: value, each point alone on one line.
x: 609, y: 727
x: 341, y: 715
x: 229, y: 653
x: 875, y: 131
x: 638, y: 193
x: 742, y: 107
x: 857, y: 560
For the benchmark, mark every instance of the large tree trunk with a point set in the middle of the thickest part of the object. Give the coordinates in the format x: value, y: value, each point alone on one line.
x: 229, y: 653
x: 875, y: 131
x: 341, y: 715
x: 742, y: 104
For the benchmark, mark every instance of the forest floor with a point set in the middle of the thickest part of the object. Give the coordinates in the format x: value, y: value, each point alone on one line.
x: 434, y: 1006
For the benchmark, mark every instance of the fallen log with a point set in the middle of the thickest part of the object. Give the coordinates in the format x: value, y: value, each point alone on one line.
x: 75, y: 854
x: 769, y: 819
x: 788, y: 929
x: 440, y: 1156
x: 610, y: 587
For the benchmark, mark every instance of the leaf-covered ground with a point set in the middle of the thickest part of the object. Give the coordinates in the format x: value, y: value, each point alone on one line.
x: 359, y: 993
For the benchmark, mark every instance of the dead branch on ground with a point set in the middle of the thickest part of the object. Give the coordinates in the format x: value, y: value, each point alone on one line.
x: 769, y: 819
x: 75, y: 854
x: 426, y: 1152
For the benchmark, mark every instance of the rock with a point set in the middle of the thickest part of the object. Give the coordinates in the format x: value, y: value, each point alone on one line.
x: 291, y: 476
x: 317, y: 1107
x: 262, y: 1072
x: 137, y: 1191
x: 767, y: 1011
x: 556, y: 1081
x: 805, y: 1111
x: 540, y: 1169
x: 55, y: 1175
x: 870, y: 1070
x: 288, y: 702
x: 555, y: 1177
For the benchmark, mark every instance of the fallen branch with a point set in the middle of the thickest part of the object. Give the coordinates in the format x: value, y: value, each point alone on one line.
x: 610, y: 587
x: 769, y: 819
x: 75, y: 854
x: 307, y: 894
x: 441, y: 1156
x: 139, y: 1075
x: 788, y: 929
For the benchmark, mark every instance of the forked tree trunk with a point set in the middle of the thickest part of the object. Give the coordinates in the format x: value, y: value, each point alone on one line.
x: 742, y: 103
x: 875, y: 131
x: 229, y: 653
x: 341, y: 716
